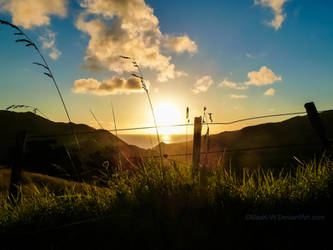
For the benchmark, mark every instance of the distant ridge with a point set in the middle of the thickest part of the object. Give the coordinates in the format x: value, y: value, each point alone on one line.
x: 45, y: 136
x: 101, y: 144
x: 294, y: 131
x: 35, y: 125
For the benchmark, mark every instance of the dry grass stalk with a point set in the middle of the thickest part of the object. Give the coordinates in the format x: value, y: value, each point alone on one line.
x: 34, y: 109
x: 114, y: 120
x: 28, y: 43
x: 92, y: 113
x: 144, y: 86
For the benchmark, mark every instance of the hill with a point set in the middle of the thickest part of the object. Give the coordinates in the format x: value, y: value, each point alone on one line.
x: 51, y: 147
x: 272, y: 144
x: 33, y: 181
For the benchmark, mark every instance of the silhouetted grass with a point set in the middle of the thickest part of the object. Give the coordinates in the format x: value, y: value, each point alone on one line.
x: 27, y: 41
x: 164, y: 210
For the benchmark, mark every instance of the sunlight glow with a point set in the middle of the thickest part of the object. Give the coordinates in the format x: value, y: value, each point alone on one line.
x: 166, y: 138
x: 168, y: 114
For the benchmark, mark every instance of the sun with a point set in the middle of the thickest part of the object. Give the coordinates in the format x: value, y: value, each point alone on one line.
x: 168, y: 114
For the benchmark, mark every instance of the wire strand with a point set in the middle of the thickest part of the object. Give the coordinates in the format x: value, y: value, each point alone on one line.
x: 243, y: 149
x: 176, y: 125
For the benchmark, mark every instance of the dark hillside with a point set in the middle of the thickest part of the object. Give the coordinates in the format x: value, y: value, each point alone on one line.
x: 273, y: 144
x: 51, y: 147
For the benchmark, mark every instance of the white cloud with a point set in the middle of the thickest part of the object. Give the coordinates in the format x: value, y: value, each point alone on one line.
x: 276, y: 6
x: 31, y: 13
x: 114, y: 85
x: 229, y: 84
x: 264, y: 76
x: 180, y: 44
x: 234, y: 96
x: 248, y: 55
x: 270, y: 92
x: 129, y: 28
x: 202, y: 84
x: 48, y: 42
x: 55, y: 53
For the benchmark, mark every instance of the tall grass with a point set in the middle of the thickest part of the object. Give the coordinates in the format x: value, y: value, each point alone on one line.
x: 144, y: 86
x: 95, y: 118
x: 114, y: 119
x: 19, y: 106
x: 29, y: 43
x: 187, y: 117
x: 173, y: 192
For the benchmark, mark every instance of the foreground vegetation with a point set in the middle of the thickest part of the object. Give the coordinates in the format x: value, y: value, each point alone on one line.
x: 166, y: 208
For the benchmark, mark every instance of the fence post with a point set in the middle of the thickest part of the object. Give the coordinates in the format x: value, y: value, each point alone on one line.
x: 196, y: 146
x: 16, y: 167
x: 317, y: 124
x: 203, y: 169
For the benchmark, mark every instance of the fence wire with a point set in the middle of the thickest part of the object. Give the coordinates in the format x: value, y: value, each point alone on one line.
x: 31, y: 137
x: 168, y: 126
x: 226, y: 150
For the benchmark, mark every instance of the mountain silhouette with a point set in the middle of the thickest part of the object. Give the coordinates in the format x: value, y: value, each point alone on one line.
x: 51, y: 147
x: 266, y: 145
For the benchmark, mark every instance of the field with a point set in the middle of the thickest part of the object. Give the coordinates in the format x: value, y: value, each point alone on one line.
x: 165, y: 208
x: 141, y: 124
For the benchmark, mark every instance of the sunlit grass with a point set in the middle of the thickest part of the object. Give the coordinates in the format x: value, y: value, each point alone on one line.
x: 173, y: 193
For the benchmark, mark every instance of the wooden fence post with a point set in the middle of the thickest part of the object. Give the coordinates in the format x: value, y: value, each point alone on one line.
x: 16, y: 167
x: 203, y: 169
x: 317, y: 124
x: 196, y: 146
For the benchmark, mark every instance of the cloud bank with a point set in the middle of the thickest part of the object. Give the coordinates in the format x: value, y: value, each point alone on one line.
x: 180, y: 44
x: 129, y: 28
x: 48, y: 42
x: 202, y: 84
x: 270, y: 92
x: 32, y: 13
x: 114, y: 85
x: 232, y: 85
x: 264, y: 76
x: 234, y: 96
x: 276, y: 6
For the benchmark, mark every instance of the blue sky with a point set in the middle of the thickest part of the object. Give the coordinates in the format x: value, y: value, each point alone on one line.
x: 213, y: 45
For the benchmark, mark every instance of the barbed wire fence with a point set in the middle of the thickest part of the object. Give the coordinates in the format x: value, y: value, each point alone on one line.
x: 31, y: 137
x: 166, y: 126
x: 99, y: 131
x: 310, y: 111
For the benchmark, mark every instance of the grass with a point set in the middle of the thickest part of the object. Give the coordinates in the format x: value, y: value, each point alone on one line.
x: 44, y: 65
x: 162, y: 208
x: 171, y: 210
x: 144, y: 86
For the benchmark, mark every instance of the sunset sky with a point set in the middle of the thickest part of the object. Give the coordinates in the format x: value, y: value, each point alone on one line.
x: 237, y: 58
